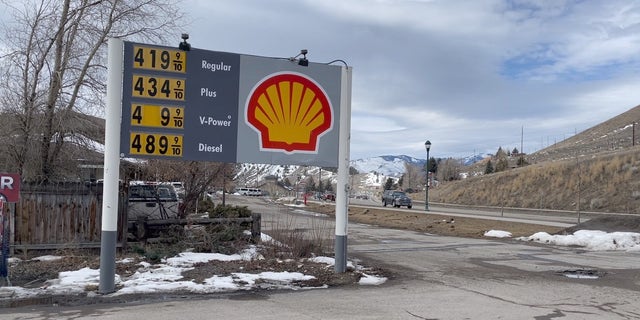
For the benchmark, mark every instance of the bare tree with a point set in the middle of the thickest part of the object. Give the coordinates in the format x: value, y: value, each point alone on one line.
x: 197, y: 178
x: 449, y: 170
x: 56, y: 68
x: 502, y: 163
x: 412, y: 176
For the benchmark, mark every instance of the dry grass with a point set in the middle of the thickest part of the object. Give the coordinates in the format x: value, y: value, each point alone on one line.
x: 293, y: 241
x: 608, y: 183
x: 435, y: 224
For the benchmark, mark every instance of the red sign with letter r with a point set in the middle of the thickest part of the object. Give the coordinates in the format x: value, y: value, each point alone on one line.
x: 9, y: 187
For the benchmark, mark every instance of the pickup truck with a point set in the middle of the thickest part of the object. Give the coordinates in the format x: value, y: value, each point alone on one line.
x: 396, y: 198
x: 152, y: 201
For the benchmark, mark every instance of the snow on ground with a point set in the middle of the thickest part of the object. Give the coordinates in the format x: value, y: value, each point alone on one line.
x: 166, y: 276
x: 589, y: 239
x: 497, y: 234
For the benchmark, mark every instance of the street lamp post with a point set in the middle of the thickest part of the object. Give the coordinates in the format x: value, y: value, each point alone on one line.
x: 427, y: 145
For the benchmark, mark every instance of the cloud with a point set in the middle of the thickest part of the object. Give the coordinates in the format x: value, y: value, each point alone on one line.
x: 469, y: 75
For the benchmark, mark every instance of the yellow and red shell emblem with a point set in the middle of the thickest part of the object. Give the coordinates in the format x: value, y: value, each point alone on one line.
x: 290, y: 112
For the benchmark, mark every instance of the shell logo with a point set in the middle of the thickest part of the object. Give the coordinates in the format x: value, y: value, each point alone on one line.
x: 290, y: 112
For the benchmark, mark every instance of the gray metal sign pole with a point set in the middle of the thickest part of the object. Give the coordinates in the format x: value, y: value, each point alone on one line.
x: 111, y: 168
x: 342, y: 196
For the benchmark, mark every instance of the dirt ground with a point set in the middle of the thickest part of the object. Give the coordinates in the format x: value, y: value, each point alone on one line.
x: 435, y: 224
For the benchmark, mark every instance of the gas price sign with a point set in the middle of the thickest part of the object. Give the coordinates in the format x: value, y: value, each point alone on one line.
x: 148, y: 115
x: 201, y: 105
x: 155, y: 79
x: 158, y: 87
x: 156, y: 59
x: 179, y: 104
x: 155, y: 144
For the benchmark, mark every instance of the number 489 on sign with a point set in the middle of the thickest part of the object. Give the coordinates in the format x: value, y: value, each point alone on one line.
x: 154, y: 144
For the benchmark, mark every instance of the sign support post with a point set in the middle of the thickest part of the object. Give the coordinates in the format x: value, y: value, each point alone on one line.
x: 342, y: 196
x: 9, y: 193
x: 4, y: 246
x: 111, y: 167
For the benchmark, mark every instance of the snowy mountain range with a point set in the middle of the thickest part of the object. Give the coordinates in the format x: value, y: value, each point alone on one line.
x: 378, y: 168
x: 393, y: 166
x: 388, y: 166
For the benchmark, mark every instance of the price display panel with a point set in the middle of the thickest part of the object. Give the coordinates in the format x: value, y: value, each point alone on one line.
x: 159, y: 59
x: 158, y: 87
x: 146, y: 115
x: 155, y: 144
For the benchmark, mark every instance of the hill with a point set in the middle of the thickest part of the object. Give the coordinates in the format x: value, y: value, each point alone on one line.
x: 615, y: 134
x: 595, y: 170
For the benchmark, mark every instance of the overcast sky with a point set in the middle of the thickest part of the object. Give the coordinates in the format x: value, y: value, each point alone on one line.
x: 467, y: 75
x: 470, y: 76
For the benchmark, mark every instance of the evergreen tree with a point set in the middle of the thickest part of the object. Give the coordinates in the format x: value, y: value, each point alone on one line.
x: 388, y: 185
x: 489, y: 168
x: 432, y: 165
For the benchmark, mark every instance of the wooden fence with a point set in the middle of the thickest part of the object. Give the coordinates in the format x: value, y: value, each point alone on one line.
x: 54, y: 221
x: 44, y: 221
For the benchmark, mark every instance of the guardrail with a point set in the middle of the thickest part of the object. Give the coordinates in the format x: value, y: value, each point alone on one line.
x: 523, y: 210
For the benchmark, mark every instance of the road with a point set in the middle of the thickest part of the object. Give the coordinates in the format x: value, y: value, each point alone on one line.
x: 549, y: 217
x: 430, y: 277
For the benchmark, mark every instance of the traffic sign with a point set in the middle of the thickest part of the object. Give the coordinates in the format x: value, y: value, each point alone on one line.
x: 10, y: 187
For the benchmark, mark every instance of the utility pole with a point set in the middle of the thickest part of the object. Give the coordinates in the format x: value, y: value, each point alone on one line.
x: 522, y: 140
x: 578, y: 202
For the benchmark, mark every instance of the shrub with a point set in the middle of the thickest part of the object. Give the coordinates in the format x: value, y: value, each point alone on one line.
x: 206, y: 205
x: 227, y: 211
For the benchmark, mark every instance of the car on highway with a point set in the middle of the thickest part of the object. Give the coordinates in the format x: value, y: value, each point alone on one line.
x: 329, y: 197
x: 254, y: 192
x: 396, y: 198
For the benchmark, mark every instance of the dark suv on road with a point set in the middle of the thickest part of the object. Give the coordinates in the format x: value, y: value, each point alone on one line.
x: 396, y: 198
